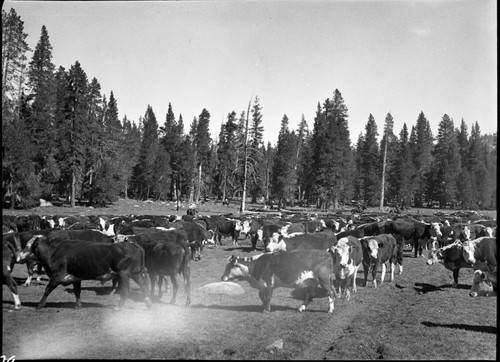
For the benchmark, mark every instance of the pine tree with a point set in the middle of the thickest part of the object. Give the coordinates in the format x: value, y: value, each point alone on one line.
x: 403, y: 173
x: 144, y: 169
x: 370, y: 167
x: 421, y: 141
x: 446, y: 165
x: 202, y: 142
x: 14, y: 49
x: 255, y: 134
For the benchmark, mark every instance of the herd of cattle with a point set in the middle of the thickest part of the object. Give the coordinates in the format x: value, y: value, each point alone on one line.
x: 299, y: 251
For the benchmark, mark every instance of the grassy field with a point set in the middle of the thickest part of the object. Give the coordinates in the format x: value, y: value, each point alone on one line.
x: 419, y: 316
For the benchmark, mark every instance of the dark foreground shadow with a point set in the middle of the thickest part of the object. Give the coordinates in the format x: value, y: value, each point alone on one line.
x: 67, y: 305
x: 426, y: 288
x: 98, y: 290
x: 483, y: 329
x: 242, y: 308
x: 245, y: 249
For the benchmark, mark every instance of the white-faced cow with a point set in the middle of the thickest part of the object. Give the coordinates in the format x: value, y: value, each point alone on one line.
x: 347, y: 257
x: 484, y: 284
x: 299, y: 268
x: 71, y: 261
x: 483, y: 250
x: 418, y: 232
x: 377, y: 251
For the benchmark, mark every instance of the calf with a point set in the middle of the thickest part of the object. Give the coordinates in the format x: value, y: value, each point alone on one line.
x: 347, y: 257
x: 71, y: 261
x: 484, y: 284
x: 299, y: 268
x: 378, y: 250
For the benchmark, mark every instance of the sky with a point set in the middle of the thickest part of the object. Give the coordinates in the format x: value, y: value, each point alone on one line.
x: 398, y: 57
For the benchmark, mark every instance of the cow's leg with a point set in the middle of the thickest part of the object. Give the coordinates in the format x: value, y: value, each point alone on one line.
x: 114, y: 286
x: 152, y: 278
x: 124, y: 289
x: 311, y: 292
x: 326, y: 285
x: 160, y: 285
x: 187, y: 284
x: 355, y: 273
x: 415, y: 247
x: 175, y: 287
x: 48, y: 289
x: 77, y: 287
x: 455, y: 277
x: 382, y: 273
x: 374, y: 274
x: 141, y: 281
x: 366, y: 269
x: 268, y: 294
x: 12, y: 285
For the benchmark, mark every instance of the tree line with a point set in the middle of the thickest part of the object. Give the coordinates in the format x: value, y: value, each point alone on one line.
x: 62, y: 138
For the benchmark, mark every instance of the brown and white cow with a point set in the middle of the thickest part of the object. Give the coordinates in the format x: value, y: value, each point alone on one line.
x: 377, y: 251
x: 347, y: 257
x: 295, y: 269
x: 484, y: 284
x: 484, y: 250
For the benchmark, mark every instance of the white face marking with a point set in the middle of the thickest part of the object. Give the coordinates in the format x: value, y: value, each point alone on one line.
x: 373, y: 246
x: 468, y: 251
x: 479, y: 286
x: 306, y: 274
x: 436, y: 230
x: 238, y: 225
x: 259, y: 234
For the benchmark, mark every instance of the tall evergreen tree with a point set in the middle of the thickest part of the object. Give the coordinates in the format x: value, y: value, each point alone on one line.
x: 371, y: 171
x: 14, y: 49
x: 145, y: 168
x: 255, y: 148
x: 446, y: 165
x: 421, y: 141
x: 202, y: 142
x: 403, y: 173
x: 130, y: 150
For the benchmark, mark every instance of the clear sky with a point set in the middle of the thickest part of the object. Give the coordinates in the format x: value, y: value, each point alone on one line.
x: 402, y: 57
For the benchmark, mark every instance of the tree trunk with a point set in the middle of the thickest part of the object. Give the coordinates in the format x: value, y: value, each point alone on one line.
x: 382, y: 191
x: 198, y: 194
x: 245, y: 167
x: 73, y: 187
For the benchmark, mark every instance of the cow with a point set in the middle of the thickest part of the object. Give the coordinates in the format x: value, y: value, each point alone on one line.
x: 482, y: 250
x: 451, y: 256
x: 10, y: 255
x: 360, y: 231
x: 313, y: 241
x: 197, y: 236
x: 313, y: 226
x: 169, y: 256
x: 227, y: 228
x: 295, y: 269
x: 72, y: 261
x: 407, y: 229
x: 484, y: 283
x: 378, y: 250
x: 347, y: 257
x: 161, y: 235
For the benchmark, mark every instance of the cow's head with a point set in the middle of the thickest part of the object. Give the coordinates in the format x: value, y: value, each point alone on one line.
x: 373, y: 247
x: 28, y: 249
x: 245, y: 227
x: 238, y: 225
x: 276, y: 243
x: 468, y: 249
x: 434, y: 256
x: 342, y: 252
x: 284, y: 229
x: 465, y: 234
x: 481, y: 285
x: 235, y: 269
x: 435, y: 230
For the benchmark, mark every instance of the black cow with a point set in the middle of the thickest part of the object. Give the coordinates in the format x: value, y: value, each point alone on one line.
x: 378, y: 250
x: 408, y: 229
x: 295, y: 269
x: 360, y: 231
x: 168, y: 256
x: 71, y: 261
